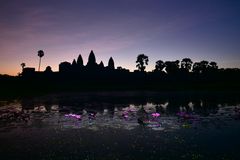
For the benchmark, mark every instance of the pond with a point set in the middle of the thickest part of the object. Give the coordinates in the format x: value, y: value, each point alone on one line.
x: 121, y: 125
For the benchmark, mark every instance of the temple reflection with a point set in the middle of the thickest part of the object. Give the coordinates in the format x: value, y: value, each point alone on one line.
x: 157, y: 115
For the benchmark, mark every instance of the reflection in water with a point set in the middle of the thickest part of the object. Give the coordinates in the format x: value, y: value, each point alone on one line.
x: 120, y: 127
x: 164, y: 116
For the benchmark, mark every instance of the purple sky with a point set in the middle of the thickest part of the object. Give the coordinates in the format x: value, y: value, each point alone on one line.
x: 161, y: 29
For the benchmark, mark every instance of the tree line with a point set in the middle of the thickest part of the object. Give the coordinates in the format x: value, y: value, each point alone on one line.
x: 171, y: 67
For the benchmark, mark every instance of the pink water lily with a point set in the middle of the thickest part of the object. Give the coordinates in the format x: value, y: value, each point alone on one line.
x: 77, y: 116
x: 155, y: 115
x: 125, y: 114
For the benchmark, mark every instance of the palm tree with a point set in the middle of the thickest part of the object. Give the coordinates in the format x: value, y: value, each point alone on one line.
x: 142, y: 60
x: 23, y: 65
x: 40, y: 55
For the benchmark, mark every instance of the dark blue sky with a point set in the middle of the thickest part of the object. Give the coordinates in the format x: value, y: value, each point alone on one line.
x: 161, y: 29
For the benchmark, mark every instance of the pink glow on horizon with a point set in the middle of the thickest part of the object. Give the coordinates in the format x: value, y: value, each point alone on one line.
x: 161, y: 30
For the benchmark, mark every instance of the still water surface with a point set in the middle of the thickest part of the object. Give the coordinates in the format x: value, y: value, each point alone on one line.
x: 127, y: 125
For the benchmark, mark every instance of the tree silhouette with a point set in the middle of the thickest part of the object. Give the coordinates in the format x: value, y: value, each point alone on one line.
x: 48, y: 69
x: 160, y: 65
x: 142, y: 60
x: 186, y: 64
x: 196, y: 67
x: 23, y: 65
x: 172, y: 66
x: 200, y: 67
x: 213, y: 65
x: 203, y: 66
x: 111, y: 63
x: 40, y: 55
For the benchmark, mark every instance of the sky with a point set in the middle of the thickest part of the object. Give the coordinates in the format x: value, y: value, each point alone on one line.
x: 122, y: 29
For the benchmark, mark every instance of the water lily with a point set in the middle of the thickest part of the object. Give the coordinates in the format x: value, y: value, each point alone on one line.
x: 77, y: 116
x: 125, y: 114
x: 155, y: 115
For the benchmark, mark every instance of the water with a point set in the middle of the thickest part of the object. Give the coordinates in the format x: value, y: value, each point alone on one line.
x: 126, y: 125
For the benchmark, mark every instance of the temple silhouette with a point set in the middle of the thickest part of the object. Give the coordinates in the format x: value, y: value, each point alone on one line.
x: 175, y: 75
x: 77, y: 67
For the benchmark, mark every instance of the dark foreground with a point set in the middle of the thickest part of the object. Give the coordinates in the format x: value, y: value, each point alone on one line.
x: 122, y: 125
